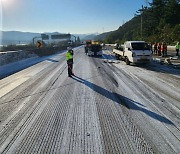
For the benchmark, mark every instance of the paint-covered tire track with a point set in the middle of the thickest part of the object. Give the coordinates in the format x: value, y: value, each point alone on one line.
x: 154, y: 106
x: 124, y: 127
x: 104, y: 109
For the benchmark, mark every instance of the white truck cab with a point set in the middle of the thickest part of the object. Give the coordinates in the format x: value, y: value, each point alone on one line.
x: 137, y: 52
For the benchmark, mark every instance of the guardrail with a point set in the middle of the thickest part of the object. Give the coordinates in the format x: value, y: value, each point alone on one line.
x: 169, y: 47
x: 109, y: 44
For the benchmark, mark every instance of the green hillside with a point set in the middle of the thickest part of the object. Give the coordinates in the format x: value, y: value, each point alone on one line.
x: 102, y: 36
x: 160, y: 23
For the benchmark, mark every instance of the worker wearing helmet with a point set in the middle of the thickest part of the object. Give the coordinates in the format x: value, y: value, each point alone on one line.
x: 177, y: 48
x: 155, y: 48
x: 159, y: 49
x: 69, y: 59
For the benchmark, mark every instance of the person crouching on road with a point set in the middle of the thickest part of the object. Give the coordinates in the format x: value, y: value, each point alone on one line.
x: 69, y: 59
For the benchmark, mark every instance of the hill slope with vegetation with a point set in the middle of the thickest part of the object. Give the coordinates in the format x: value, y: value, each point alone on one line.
x: 160, y: 23
x: 102, y: 36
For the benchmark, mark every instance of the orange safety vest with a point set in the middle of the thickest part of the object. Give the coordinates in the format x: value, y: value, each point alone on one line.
x: 162, y: 47
x: 159, y: 47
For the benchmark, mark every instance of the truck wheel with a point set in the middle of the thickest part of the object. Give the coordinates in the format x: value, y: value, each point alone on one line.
x: 120, y: 58
x: 127, y: 61
x: 116, y: 55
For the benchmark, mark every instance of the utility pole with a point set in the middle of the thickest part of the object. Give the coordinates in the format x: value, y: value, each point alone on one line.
x: 1, y: 19
x: 146, y: 2
x: 141, y: 25
x: 141, y: 13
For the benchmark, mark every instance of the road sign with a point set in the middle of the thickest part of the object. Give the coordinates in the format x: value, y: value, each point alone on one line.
x: 39, y: 44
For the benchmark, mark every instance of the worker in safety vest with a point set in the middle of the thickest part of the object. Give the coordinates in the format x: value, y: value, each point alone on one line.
x: 159, y: 49
x: 162, y: 50
x: 165, y: 49
x: 150, y: 46
x: 177, y: 49
x: 155, y: 48
x: 69, y: 59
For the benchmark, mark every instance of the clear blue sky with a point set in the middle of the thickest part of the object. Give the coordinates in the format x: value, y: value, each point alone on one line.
x: 73, y: 16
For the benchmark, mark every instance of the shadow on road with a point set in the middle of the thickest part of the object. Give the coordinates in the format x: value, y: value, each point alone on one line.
x: 160, y: 68
x: 109, y: 57
x: 128, y: 103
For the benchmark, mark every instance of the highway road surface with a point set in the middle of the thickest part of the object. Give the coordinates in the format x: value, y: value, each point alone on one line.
x: 108, y: 107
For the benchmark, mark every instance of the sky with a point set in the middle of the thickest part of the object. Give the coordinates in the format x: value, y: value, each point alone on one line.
x: 66, y: 16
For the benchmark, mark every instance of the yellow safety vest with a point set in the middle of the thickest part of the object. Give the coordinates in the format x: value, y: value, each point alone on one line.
x: 68, y: 56
x: 178, y: 46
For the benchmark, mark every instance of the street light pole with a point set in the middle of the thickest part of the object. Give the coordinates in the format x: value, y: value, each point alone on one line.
x: 141, y: 27
x: 74, y: 37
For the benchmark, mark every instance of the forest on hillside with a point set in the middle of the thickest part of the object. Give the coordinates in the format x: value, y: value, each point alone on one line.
x: 160, y: 22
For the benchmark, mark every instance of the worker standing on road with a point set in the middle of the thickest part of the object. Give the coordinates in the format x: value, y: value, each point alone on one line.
x: 162, y: 49
x: 165, y: 49
x: 69, y: 59
x: 155, y: 48
x: 159, y: 49
x: 177, y: 49
x: 150, y: 46
x: 86, y: 50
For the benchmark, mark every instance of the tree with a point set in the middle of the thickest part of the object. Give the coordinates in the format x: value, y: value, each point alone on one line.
x: 172, y: 14
x: 161, y: 22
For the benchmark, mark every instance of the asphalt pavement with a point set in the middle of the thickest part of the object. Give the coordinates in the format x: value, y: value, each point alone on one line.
x: 107, y: 107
